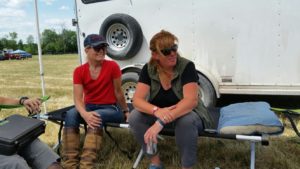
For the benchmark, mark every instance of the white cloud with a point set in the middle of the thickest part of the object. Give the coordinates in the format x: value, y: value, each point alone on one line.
x: 58, y: 24
x: 55, y: 21
x: 16, y: 17
x: 21, y: 27
x: 12, y: 12
x: 64, y: 8
x: 48, y: 2
x: 13, y: 3
x: 13, y: 18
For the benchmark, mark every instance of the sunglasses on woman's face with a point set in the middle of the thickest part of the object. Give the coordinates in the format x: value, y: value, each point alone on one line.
x: 100, y: 47
x: 167, y: 51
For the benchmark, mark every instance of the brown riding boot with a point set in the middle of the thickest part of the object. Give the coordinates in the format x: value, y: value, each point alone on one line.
x: 55, y: 165
x: 91, y: 148
x: 71, y: 146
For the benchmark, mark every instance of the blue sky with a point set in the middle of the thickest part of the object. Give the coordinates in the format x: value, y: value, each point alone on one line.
x: 19, y: 16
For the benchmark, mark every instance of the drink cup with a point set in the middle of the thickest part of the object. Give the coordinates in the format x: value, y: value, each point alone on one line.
x: 151, y: 148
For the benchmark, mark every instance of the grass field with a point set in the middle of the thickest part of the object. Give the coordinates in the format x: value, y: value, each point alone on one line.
x: 21, y: 78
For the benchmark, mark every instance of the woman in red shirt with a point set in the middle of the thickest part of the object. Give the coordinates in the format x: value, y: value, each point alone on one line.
x: 97, y: 91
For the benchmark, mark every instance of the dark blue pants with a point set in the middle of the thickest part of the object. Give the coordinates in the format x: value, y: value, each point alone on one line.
x: 108, y: 113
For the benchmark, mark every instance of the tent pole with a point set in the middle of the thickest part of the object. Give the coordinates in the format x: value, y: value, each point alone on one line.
x: 40, y: 52
x: 77, y: 33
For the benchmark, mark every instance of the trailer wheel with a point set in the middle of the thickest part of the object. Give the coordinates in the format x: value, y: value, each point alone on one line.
x: 123, y: 34
x: 207, y: 91
x: 129, y: 81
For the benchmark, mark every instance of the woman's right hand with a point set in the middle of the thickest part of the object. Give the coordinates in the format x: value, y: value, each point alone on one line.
x: 32, y: 105
x: 152, y: 132
x: 92, y: 119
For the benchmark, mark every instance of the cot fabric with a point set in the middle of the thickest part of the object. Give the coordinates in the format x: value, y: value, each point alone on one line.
x: 249, y: 118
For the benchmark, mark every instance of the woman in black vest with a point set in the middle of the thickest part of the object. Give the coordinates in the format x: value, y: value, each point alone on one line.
x: 167, y: 95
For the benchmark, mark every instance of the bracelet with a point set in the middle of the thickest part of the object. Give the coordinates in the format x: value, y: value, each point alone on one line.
x: 154, y: 110
x: 22, y: 99
x: 160, y: 122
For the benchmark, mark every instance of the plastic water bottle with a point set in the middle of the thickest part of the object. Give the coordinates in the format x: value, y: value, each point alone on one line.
x: 151, y: 148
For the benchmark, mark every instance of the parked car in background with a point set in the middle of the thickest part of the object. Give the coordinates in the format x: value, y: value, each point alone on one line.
x: 21, y: 54
x: 8, y: 55
x: 1, y: 55
x: 11, y: 56
x: 25, y: 55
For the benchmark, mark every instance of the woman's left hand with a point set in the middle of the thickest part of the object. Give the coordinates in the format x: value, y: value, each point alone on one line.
x: 152, y: 132
x: 165, y: 114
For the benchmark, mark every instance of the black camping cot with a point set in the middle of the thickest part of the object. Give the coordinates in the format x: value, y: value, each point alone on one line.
x: 57, y: 116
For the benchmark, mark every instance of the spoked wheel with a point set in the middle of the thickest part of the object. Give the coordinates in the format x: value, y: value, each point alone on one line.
x: 123, y: 34
x: 129, y: 81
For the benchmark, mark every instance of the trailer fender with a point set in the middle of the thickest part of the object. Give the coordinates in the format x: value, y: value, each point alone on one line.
x: 207, y: 91
x: 123, y: 34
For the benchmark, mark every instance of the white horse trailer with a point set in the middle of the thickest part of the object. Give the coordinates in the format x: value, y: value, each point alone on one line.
x: 238, y: 46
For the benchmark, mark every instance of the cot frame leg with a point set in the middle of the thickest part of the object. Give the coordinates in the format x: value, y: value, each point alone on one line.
x: 56, y: 146
x: 252, y: 158
x: 138, y: 159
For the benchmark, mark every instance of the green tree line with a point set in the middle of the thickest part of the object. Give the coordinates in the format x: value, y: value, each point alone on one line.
x: 51, y: 42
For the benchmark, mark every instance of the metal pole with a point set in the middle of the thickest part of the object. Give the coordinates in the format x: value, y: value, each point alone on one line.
x: 138, y: 159
x: 78, y: 33
x: 252, y: 158
x: 40, y: 52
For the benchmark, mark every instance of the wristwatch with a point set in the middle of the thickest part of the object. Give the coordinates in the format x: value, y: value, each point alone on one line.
x: 22, y: 99
x: 162, y: 124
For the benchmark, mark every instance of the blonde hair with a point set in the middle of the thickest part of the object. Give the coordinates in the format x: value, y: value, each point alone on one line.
x: 161, y: 40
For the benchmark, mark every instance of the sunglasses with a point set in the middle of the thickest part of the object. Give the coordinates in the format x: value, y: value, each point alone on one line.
x: 167, y: 51
x: 100, y: 47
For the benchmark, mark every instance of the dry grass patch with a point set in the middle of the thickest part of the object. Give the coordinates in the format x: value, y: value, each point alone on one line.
x: 21, y: 78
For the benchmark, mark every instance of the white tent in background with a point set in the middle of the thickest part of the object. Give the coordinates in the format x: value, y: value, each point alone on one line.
x: 40, y: 51
x: 19, y: 51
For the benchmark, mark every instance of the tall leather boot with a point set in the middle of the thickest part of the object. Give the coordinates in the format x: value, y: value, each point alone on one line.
x: 71, y: 147
x: 91, y: 148
x: 55, y: 165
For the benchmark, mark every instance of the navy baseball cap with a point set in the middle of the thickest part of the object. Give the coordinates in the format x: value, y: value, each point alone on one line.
x: 94, y: 40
